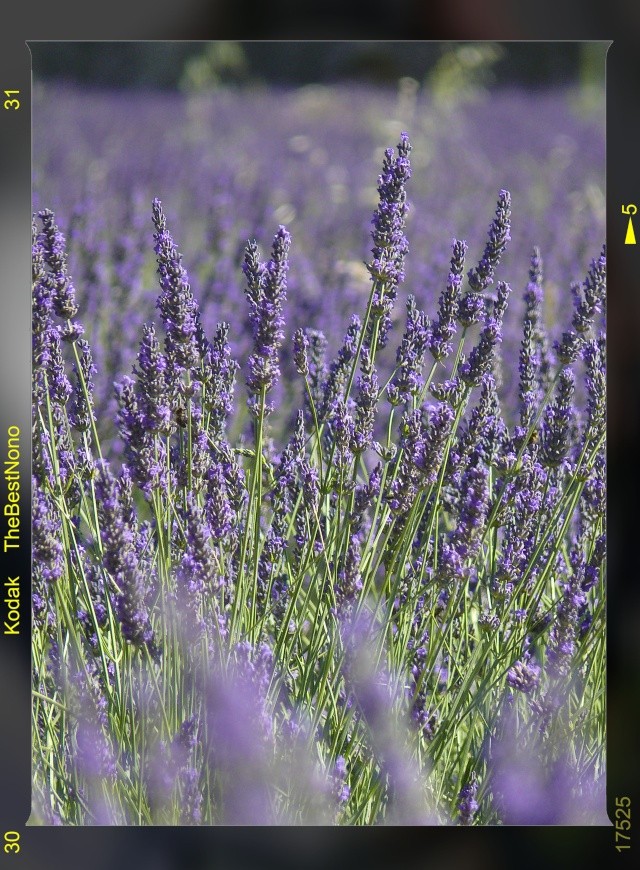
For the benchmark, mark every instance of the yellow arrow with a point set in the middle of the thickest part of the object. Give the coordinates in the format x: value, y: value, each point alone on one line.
x: 630, y: 238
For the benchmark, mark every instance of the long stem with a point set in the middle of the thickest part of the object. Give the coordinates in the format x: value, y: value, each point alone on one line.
x: 257, y: 497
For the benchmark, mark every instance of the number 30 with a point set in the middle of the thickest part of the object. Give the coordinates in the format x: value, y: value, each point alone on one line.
x: 11, y: 842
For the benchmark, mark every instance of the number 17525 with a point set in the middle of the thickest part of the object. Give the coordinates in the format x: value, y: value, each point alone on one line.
x: 623, y: 823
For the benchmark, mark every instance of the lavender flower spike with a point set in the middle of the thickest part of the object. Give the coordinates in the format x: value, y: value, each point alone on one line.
x: 300, y: 347
x: 218, y: 375
x: 266, y: 293
x: 366, y: 403
x: 121, y: 560
x: 445, y: 326
x: 151, y: 375
x: 482, y: 276
x: 468, y: 805
x: 178, y: 308
x: 481, y: 358
x: 558, y: 420
x: 596, y: 384
x: 410, y: 355
x: 390, y: 245
x: 589, y: 298
x: 55, y: 256
x: 81, y: 412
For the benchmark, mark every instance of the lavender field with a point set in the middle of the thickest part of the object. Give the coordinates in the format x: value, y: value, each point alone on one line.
x: 318, y: 457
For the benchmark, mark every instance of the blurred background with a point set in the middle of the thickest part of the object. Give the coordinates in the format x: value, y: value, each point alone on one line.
x: 193, y: 65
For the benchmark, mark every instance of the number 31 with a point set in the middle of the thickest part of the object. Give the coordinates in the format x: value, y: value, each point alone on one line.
x: 9, y: 103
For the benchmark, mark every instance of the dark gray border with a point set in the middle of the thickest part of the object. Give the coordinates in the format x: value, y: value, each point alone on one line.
x: 288, y: 848
x: 15, y: 411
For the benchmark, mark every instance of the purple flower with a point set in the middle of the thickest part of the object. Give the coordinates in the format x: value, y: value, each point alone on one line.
x: 42, y: 306
x: 373, y: 696
x: 451, y: 391
x: 499, y: 234
x: 444, y: 327
x: 566, y: 626
x: 293, y: 476
x: 557, y: 424
x: 197, y: 578
x: 536, y: 782
x: 523, y: 675
x: 81, y: 411
x: 121, y: 561
x: 266, y: 292
x: 222, y: 519
x: 589, y: 298
x: 177, y: 306
x: 467, y: 803
x: 365, y: 405
x: 197, y: 568
x: 317, y: 343
x: 349, y: 579
x: 41, y: 462
x: 275, y: 544
x: 534, y: 362
x: 534, y: 300
x: 520, y: 528
x: 470, y: 309
x: 300, y: 349
x: 390, y: 245
x: 53, y: 247
x: 310, y: 487
x: 481, y: 358
x: 421, y: 716
x: 365, y: 496
x: 98, y: 596
x: 427, y: 449
x: 137, y: 420
x: 568, y: 349
x: 152, y: 386
x: 594, y: 356
x: 290, y: 461
x: 462, y: 545
x: 343, y: 431
x: 339, y: 779
x: 338, y: 371
x: 71, y: 331
x: 594, y: 495
x: 485, y: 431
x: 47, y: 549
x: 95, y: 756
x: 217, y: 374
x: 234, y: 477
x: 60, y: 388
x: 410, y: 356
x: 424, y: 433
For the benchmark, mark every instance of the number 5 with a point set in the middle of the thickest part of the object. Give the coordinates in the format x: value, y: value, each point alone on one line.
x: 626, y: 209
